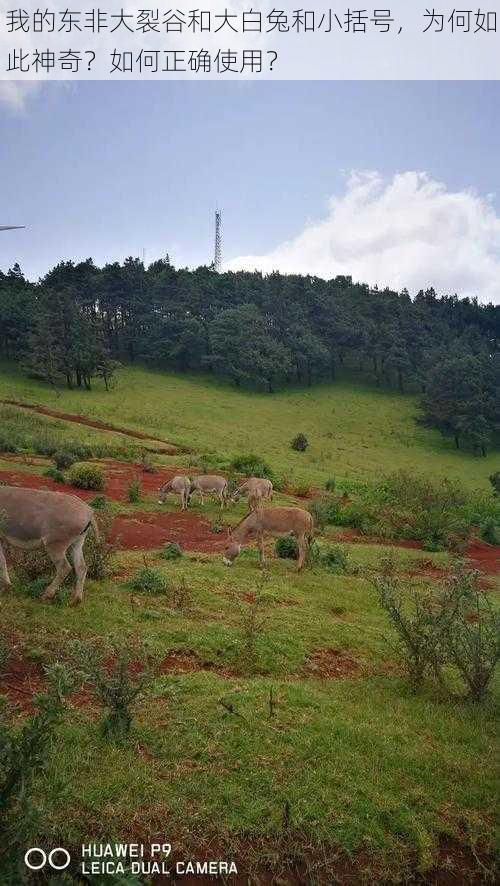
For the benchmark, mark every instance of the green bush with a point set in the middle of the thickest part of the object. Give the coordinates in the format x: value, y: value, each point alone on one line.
x: 336, y: 559
x: 85, y: 476
x: 172, y: 551
x: 99, y: 503
x: 495, y: 482
x: 149, y: 581
x: 251, y: 465
x: 490, y: 532
x: 331, y: 484
x: 55, y: 475
x: 300, y: 443
x: 134, y: 492
x: 287, y: 548
x: 99, y: 552
x: 64, y: 459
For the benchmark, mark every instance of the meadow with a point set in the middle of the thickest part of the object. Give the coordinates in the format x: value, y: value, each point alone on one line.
x: 278, y: 727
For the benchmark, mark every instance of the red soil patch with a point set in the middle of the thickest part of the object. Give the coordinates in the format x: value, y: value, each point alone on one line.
x: 94, y: 423
x: 331, y: 664
x: 142, y: 531
x: 484, y: 556
x: 20, y: 680
x: 119, y: 475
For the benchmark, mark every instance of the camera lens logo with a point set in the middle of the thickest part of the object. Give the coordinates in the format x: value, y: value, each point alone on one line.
x: 35, y: 858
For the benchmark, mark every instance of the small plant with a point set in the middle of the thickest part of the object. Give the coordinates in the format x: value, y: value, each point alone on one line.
x: 99, y: 503
x: 29, y: 565
x: 286, y: 547
x: 495, y: 482
x: 147, y: 462
x: 336, y: 559
x: 172, y: 551
x: 55, y: 474
x: 99, y: 552
x: 300, y: 443
x: 419, y: 625
x: 63, y: 459
x: 134, y: 492
x: 118, y: 680
x: 490, y: 532
x: 251, y: 465
x: 180, y: 595
x: 473, y: 640
x: 149, y: 581
x: 252, y: 623
x: 217, y: 526
x: 331, y: 484
x: 23, y: 755
x: 85, y: 476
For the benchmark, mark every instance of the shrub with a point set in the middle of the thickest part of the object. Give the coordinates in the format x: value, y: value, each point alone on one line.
x: 473, y: 639
x: 149, y: 581
x: 330, y: 484
x: 319, y: 508
x: 55, y: 475
x: 336, y: 559
x: 420, y: 628
x: 134, y: 492
x: 98, y: 552
x: 23, y: 755
x: 251, y: 465
x: 87, y: 476
x: 490, y: 532
x: 63, y: 459
x: 287, y: 548
x: 495, y: 482
x: 148, y: 465
x: 99, y: 503
x: 172, y: 551
x: 300, y: 443
x: 29, y: 565
x: 117, y: 680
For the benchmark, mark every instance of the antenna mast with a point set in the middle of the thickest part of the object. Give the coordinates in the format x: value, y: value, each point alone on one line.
x: 218, y: 241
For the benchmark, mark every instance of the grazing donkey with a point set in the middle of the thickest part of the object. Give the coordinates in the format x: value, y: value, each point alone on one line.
x: 179, y: 485
x: 34, y: 518
x: 210, y: 483
x: 271, y: 521
x: 256, y: 489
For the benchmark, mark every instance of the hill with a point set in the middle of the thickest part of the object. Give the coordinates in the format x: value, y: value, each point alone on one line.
x: 355, y: 430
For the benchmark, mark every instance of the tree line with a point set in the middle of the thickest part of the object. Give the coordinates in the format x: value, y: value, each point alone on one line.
x: 264, y: 331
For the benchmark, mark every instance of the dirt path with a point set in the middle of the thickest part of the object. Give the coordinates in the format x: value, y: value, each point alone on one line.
x: 143, y: 532
x: 172, y: 448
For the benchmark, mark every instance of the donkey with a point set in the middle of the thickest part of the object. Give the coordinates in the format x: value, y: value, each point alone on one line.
x: 257, y: 490
x: 34, y: 518
x: 210, y: 483
x: 271, y: 521
x: 179, y: 485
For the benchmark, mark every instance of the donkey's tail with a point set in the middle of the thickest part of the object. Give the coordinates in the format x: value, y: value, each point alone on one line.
x: 95, y: 528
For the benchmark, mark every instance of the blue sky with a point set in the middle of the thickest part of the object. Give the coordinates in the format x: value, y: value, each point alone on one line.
x: 109, y: 169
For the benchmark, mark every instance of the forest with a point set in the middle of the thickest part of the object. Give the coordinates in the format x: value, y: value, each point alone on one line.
x: 79, y: 322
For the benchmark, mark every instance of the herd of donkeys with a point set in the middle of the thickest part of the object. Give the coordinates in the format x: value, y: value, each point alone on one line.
x: 59, y: 522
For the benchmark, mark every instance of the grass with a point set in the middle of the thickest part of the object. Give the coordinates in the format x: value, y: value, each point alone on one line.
x: 355, y: 431
x: 355, y: 764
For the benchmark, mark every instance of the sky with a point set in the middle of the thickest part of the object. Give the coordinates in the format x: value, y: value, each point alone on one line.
x: 394, y: 183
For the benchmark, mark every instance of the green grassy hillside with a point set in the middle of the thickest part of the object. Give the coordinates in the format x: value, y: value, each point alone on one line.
x: 355, y: 430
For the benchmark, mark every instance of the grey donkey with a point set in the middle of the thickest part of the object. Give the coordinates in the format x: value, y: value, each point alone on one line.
x: 34, y: 518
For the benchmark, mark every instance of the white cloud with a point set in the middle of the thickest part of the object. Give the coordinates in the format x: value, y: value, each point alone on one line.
x: 14, y: 93
x: 410, y: 232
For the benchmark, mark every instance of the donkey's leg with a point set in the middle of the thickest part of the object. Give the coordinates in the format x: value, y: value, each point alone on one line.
x: 80, y: 567
x: 302, y: 543
x: 184, y: 500
x: 4, y: 575
x: 57, y: 553
x: 262, y: 553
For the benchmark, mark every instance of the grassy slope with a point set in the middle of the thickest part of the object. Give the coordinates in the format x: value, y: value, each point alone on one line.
x: 362, y: 763
x: 355, y: 430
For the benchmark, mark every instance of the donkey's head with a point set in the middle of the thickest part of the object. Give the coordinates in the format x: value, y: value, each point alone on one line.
x: 231, y: 550
x: 163, y: 492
